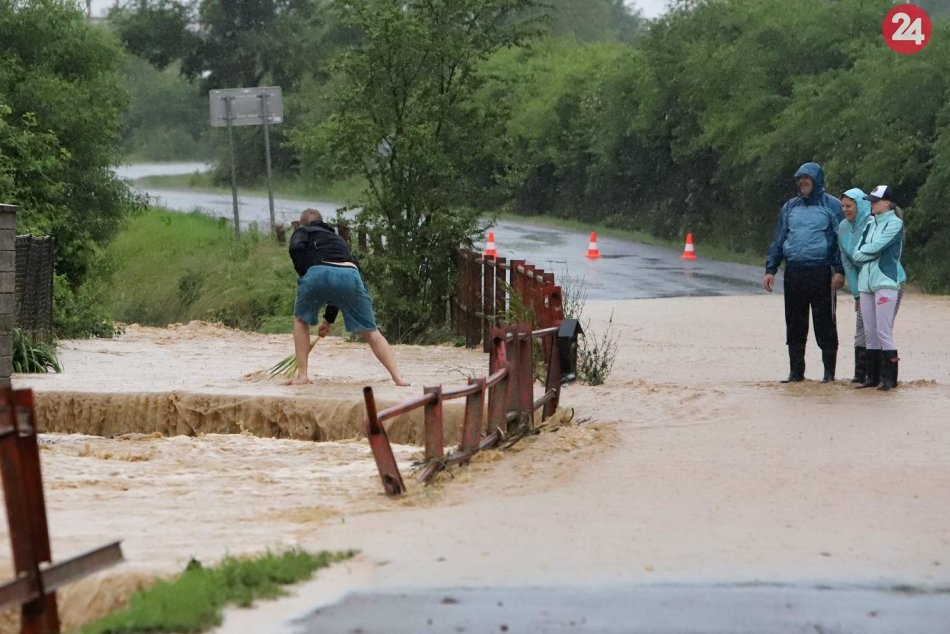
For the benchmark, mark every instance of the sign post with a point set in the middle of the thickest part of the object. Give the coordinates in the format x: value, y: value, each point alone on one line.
x: 234, y: 199
x: 248, y: 106
x: 265, y: 115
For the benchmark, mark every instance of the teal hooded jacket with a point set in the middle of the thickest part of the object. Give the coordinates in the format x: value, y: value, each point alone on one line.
x: 849, y: 236
x: 879, y: 253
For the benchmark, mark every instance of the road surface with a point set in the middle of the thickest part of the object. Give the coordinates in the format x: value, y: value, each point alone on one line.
x: 626, y: 270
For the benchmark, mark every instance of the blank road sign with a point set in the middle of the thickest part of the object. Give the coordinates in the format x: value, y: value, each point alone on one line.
x: 247, y: 106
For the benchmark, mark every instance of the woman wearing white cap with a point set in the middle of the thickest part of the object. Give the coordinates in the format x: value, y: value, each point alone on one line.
x: 879, y: 253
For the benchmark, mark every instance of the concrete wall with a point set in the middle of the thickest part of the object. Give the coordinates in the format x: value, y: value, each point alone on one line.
x: 7, y: 289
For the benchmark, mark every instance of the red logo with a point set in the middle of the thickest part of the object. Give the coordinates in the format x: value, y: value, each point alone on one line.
x: 907, y: 29
x: 882, y: 300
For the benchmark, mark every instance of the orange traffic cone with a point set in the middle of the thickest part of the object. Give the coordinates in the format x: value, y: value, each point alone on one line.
x: 490, y: 245
x: 592, y: 251
x: 689, y: 252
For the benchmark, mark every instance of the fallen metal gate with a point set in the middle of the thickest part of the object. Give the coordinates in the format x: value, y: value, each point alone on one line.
x: 510, y: 392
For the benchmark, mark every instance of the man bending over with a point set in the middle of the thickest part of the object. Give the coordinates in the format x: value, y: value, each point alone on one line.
x: 328, y: 275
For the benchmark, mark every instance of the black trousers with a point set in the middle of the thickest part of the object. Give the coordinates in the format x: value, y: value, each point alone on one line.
x: 810, y: 287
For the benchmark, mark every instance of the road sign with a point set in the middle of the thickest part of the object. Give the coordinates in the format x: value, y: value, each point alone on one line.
x: 246, y: 106
x: 264, y: 106
x: 907, y: 29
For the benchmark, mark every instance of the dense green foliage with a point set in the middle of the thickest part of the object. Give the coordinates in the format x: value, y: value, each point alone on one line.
x: 406, y: 120
x: 218, y: 44
x: 167, y: 118
x: 193, y: 601
x: 173, y: 267
x: 590, y: 20
x: 700, y: 125
x: 61, y: 104
x: 32, y: 356
x: 690, y: 123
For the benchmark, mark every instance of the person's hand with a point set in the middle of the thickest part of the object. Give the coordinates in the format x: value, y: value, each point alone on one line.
x: 837, y: 281
x: 324, y: 329
x: 769, y: 281
x: 857, y: 305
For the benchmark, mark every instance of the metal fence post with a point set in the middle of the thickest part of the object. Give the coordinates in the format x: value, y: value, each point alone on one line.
x: 499, y: 394
x: 488, y: 300
x: 501, y: 288
x: 434, y: 419
x: 26, y: 510
x: 382, y: 450
x: 474, y: 414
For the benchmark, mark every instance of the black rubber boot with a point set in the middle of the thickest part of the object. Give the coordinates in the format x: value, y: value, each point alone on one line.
x: 829, y: 359
x: 860, y: 364
x: 873, y: 373
x: 796, y: 363
x: 889, y: 361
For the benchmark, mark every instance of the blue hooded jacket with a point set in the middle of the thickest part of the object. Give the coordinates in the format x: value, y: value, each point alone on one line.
x: 849, y: 236
x: 806, y: 233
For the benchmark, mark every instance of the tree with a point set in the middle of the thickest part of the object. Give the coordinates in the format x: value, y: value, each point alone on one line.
x: 234, y: 44
x: 222, y: 43
x: 592, y: 20
x: 407, y: 122
x: 61, y: 107
x: 167, y: 118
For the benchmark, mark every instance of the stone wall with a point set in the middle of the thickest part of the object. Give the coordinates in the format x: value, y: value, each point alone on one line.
x: 7, y: 289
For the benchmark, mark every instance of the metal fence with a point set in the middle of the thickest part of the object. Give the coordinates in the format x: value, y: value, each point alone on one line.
x: 34, y: 286
x: 494, y: 292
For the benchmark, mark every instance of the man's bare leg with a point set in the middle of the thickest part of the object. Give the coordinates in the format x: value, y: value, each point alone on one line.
x: 301, y: 351
x: 380, y: 347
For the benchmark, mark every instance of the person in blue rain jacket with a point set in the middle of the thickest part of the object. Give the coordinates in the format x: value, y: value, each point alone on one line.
x: 806, y: 240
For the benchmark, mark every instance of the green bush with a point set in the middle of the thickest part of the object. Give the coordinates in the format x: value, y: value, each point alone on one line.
x: 81, y: 312
x: 33, y: 357
x: 596, y: 354
x: 193, y: 602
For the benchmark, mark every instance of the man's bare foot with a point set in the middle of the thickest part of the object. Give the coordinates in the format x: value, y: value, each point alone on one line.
x: 401, y: 382
x: 298, y: 380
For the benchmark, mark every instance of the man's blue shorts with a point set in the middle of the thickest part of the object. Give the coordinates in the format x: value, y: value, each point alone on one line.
x: 340, y: 286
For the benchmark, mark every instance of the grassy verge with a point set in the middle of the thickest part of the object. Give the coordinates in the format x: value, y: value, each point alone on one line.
x: 193, y: 602
x: 293, y: 188
x: 174, y: 267
x: 349, y: 191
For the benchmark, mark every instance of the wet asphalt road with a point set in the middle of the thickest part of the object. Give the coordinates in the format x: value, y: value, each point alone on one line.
x: 626, y: 270
x: 660, y: 609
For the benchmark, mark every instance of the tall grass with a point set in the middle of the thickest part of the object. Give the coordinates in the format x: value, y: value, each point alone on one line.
x: 193, y: 602
x: 173, y: 267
